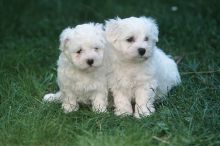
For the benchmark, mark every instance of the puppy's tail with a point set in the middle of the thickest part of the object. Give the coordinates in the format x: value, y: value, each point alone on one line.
x: 53, y: 97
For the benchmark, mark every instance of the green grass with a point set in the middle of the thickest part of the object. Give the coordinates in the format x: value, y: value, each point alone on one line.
x: 29, y: 32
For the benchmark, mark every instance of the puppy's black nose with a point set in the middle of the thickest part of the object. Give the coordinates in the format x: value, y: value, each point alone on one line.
x: 141, y: 51
x: 90, y: 62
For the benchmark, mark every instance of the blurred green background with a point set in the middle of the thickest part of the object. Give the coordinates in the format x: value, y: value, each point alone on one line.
x: 29, y: 34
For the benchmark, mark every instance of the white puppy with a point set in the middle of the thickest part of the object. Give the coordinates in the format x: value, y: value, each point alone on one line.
x: 141, y: 71
x: 82, y: 68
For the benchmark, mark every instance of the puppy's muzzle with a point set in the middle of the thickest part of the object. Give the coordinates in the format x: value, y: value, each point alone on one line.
x: 141, y: 51
x: 90, y: 62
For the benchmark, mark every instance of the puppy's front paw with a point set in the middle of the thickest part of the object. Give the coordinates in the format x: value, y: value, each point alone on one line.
x: 123, y: 112
x: 143, y: 111
x: 67, y: 107
x: 99, y: 109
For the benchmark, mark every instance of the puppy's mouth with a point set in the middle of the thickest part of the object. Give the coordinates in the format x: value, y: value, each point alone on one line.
x: 92, y: 68
x: 142, y: 58
x: 88, y: 69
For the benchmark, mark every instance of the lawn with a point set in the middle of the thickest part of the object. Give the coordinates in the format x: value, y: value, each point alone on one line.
x: 29, y: 32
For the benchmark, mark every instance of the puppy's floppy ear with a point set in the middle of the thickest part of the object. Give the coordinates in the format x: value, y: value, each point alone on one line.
x: 99, y: 27
x: 100, y: 31
x: 153, y: 27
x: 65, y: 37
x: 112, y: 29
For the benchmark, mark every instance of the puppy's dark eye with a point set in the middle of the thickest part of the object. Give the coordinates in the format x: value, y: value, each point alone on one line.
x: 130, y: 39
x: 79, y: 51
x: 146, y: 39
x: 96, y: 48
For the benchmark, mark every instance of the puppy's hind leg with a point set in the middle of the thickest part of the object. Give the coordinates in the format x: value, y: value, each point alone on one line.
x: 167, y: 74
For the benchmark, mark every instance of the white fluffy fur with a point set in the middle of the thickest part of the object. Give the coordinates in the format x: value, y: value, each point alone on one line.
x: 77, y: 80
x: 135, y: 77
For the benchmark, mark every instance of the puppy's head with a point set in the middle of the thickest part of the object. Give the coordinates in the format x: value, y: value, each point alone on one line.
x: 83, y: 45
x: 133, y: 38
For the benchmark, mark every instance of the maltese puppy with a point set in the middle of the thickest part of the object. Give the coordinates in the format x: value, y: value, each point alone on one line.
x: 82, y: 68
x: 141, y: 72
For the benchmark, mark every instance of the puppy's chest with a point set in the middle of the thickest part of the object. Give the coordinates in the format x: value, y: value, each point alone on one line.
x: 81, y: 84
x: 85, y: 86
x: 130, y: 78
